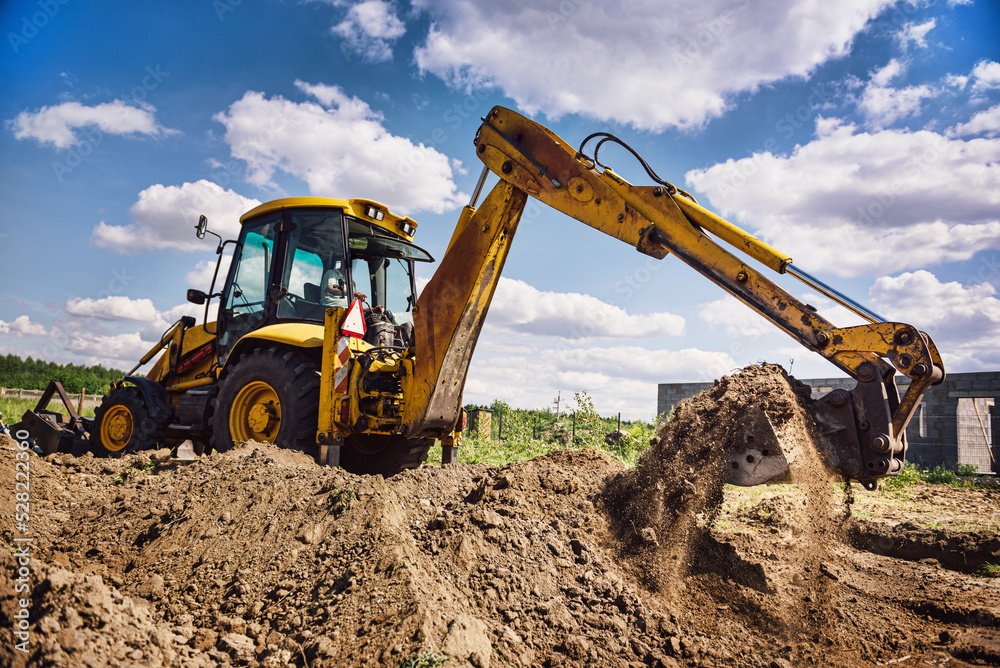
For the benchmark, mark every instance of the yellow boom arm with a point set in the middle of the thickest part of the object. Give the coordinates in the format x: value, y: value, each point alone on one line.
x: 865, y: 436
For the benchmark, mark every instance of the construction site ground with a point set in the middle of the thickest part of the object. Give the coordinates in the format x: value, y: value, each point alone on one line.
x: 259, y: 557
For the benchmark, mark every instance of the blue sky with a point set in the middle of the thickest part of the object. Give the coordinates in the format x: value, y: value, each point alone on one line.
x: 860, y: 137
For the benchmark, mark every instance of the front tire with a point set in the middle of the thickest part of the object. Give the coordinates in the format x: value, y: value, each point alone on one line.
x: 122, y: 424
x: 269, y: 395
x: 384, y: 455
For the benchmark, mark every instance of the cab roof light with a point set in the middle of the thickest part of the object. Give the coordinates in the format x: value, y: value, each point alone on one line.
x: 373, y: 212
x: 406, y: 228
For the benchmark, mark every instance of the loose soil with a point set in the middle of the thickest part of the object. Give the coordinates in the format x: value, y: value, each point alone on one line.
x: 258, y: 557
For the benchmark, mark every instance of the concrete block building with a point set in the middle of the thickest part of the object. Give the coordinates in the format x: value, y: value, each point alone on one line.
x: 955, y: 423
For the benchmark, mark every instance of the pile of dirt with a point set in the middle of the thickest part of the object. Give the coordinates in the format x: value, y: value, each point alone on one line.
x: 680, y: 479
x: 259, y: 557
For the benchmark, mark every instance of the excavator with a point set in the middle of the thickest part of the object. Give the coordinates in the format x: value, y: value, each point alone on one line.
x: 321, y: 343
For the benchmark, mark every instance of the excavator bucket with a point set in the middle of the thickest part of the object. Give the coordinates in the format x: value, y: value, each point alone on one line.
x: 851, y: 432
x: 760, y: 456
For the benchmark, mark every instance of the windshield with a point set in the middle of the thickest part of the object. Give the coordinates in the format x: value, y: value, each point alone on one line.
x: 316, y: 250
x: 382, y: 270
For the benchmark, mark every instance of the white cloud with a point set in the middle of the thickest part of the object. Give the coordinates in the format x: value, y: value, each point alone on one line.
x: 986, y: 75
x: 201, y: 276
x: 883, y: 105
x: 647, y: 63
x: 985, y: 123
x: 165, y: 217
x: 369, y: 29
x: 738, y: 319
x: 865, y: 203
x: 61, y: 125
x: 115, y: 307
x: 915, y: 33
x: 340, y: 149
x: 956, y: 81
x: 22, y: 326
x: 164, y: 319
x: 520, y: 308
x: 884, y: 75
x: 964, y: 321
x: 619, y: 378
x: 122, y: 351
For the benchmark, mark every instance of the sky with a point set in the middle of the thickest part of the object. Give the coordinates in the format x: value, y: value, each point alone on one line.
x: 860, y: 137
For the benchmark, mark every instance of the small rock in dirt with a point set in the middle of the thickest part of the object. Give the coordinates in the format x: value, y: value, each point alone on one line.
x: 468, y: 640
x: 203, y: 639
x: 238, y: 646
x: 576, y: 647
x: 151, y: 589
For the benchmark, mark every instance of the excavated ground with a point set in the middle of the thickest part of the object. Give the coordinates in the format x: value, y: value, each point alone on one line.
x: 259, y: 557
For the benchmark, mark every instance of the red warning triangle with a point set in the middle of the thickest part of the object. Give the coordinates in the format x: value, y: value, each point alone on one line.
x: 353, y: 323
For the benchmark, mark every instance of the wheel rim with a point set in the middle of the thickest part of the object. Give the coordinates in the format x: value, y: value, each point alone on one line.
x: 116, y: 428
x: 256, y: 413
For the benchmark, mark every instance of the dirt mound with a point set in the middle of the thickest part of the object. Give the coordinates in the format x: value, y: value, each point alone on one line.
x: 679, y: 480
x: 259, y: 557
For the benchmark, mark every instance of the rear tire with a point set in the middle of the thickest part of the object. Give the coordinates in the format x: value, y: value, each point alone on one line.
x: 122, y: 424
x: 384, y: 455
x: 269, y: 395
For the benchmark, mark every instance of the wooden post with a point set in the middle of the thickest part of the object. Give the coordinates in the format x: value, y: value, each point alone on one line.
x: 79, y: 405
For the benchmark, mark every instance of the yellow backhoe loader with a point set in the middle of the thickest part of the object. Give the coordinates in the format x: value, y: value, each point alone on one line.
x: 321, y: 344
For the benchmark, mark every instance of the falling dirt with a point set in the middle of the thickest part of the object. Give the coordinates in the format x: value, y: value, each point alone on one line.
x: 259, y: 557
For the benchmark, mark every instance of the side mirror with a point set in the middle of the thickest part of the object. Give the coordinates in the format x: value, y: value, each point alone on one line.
x: 196, y: 296
x: 201, y: 228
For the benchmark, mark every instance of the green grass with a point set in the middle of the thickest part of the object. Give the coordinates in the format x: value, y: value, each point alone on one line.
x: 963, y: 475
x: 425, y: 660
x: 13, y: 408
x: 520, y: 435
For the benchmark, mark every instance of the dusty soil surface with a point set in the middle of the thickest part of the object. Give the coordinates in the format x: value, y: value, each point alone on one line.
x: 259, y: 557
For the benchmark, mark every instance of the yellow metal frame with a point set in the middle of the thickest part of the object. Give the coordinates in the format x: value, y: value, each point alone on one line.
x: 356, y: 207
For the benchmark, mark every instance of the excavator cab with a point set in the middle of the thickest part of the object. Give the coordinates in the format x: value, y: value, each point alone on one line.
x: 292, y: 263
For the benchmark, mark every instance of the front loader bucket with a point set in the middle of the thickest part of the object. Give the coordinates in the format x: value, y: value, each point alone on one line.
x: 48, y: 430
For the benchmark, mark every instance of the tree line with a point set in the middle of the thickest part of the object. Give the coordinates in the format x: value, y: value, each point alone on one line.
x: 32, y: 374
